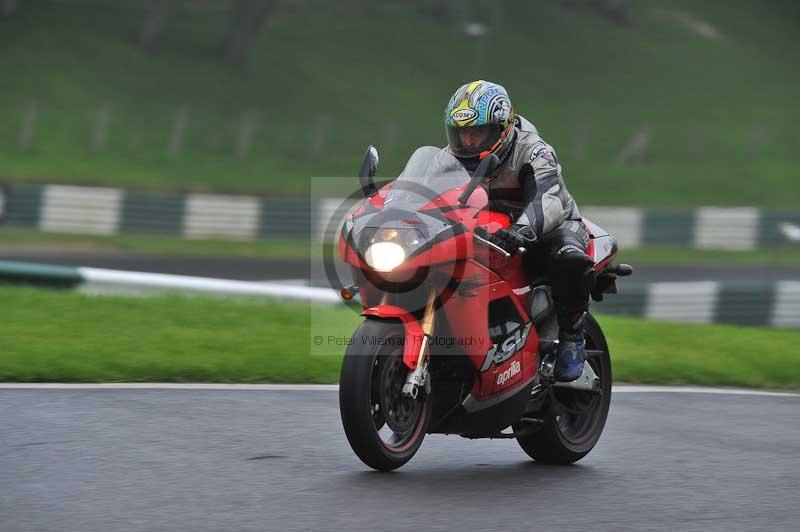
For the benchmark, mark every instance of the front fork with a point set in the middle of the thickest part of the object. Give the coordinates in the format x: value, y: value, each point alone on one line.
x: 419, y: 376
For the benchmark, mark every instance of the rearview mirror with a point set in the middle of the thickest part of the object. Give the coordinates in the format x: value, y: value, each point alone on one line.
x: 369, y: 167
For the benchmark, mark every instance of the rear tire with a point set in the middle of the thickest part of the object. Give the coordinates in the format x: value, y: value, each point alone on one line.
x: 384, y: 428
x: 568, y: 435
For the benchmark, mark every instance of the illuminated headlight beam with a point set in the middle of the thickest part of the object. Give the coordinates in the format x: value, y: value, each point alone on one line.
x: 385, y: 256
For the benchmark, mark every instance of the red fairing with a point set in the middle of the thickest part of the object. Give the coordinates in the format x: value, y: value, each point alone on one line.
x: 413, y: 331
x: 452, y: 209
x: 458, y: 247
x: 493, y: 221
x: 481, y: 275
x: 376, y: 201
x: 468, y: 318
x: 448, y: 200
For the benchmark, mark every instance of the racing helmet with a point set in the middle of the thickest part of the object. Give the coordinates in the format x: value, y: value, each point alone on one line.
x: 479, y: 120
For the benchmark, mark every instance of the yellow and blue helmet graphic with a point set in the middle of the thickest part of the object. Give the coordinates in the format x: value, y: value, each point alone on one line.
x: 479, y: 120
x: 479, y: 103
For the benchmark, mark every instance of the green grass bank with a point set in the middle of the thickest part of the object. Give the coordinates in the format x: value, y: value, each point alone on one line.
x: 708, y: 87
x: 65, y: 336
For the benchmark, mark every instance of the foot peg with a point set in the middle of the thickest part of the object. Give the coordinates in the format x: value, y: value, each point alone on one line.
x: 624, y: 270
x: 588, y: 381
x: 547, y: 366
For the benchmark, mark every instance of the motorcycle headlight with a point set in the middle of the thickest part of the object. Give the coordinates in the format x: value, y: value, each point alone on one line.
x: 385, y: 256
x: 386, y: 248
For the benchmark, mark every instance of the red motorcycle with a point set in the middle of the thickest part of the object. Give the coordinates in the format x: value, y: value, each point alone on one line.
x: 457, y: 339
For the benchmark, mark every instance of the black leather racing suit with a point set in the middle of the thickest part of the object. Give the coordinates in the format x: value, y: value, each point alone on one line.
x: 529, y: 187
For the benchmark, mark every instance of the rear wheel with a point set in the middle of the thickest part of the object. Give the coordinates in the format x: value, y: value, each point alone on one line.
x: 384, y: 428
x: 576, y: 418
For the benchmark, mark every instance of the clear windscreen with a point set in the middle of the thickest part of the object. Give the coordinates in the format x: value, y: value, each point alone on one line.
x: 428, y: 173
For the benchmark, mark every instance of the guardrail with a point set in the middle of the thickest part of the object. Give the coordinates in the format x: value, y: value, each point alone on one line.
x: 755, y: 304
x: 110, y: 211
x: 110, y: 282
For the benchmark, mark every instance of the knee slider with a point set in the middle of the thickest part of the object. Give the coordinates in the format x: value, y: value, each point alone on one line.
x: 571, y: 256
x: 570, y: 263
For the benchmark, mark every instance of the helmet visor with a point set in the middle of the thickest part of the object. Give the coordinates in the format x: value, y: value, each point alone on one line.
x: 474, y: 140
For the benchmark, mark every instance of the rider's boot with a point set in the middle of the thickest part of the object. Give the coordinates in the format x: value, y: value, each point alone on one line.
x: 571, y: 352
x: 571, y: 276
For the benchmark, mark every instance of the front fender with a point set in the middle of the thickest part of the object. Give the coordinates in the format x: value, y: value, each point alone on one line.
x: 413, y: 330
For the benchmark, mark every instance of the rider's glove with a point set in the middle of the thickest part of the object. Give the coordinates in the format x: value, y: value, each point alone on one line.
x: 515, y: 237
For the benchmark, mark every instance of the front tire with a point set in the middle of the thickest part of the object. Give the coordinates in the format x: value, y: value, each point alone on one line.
x: 384, y: 428
x: 576, y: 418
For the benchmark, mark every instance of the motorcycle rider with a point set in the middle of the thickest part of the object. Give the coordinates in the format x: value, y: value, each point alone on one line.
x: 529, y: 186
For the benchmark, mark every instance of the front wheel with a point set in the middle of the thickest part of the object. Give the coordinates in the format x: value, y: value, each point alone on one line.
x: 576, y: 418
x: 384, y: 428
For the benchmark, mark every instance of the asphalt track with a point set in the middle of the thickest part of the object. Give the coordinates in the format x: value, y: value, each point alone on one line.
x: 208, y: 460
x: 249, y: 269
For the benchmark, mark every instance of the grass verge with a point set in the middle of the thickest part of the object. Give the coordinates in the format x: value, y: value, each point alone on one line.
x: 69, y: 337
x: 30, y: 239
x: 715, y: 115
x: 66, y: 336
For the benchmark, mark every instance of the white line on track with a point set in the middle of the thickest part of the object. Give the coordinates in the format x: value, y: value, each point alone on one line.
x: 620, y: 388
x: 634, y: 388
x: 164, y: 386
